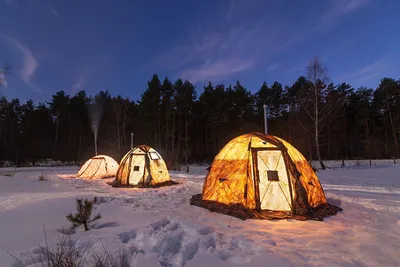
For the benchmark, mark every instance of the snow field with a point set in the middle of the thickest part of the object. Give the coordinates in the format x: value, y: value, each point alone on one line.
x: 160, y: 228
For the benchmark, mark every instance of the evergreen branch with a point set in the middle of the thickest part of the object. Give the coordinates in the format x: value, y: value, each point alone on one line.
x: 83, y: 214
x: 97, y: 217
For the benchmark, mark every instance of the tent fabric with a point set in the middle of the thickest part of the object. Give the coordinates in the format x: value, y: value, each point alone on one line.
x: 243, y: 213
x: 265, y: 176
x: 98, y: 167
x: 142, y: 166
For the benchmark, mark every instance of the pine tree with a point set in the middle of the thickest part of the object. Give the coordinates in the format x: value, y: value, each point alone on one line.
x: 150, y: 113
x: 84, y: 213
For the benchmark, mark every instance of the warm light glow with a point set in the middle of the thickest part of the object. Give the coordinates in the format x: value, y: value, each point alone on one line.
x: 142, y: 165
x: 308, y: 179
x: 292, y: 181
x: 154, y: 155
x: 98, y: 167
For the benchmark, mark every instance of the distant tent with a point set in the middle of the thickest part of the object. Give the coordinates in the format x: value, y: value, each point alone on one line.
x: 98, y: 167
x: 142, y: 166
x: 262, y: 176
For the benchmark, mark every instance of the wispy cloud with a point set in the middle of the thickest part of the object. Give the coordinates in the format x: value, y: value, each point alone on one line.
x: 29, y: 65
x: 374, y: 70
x: 11, y: 2
x: 3, y: 80
x: 338, y: 9
x: 51, y: 9
x: 230, y: 9
x: 298, y: 65
x: 223, y: 47
x: 239, y: 32
x: 367, y: 72
x: 218, y: 55
x: 216, y: 71
x: 54, y: 12
x: 272, y: 67
x: 298, y: 68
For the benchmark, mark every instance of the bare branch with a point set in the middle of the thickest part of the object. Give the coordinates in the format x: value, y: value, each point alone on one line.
x: 323, y: 124
x: 328, y: 106
x: 325, y: 115
x: 306, y: 110
x: 308, y: 130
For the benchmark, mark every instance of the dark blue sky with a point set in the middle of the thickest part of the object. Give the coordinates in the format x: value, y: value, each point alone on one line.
x: 117, y: 45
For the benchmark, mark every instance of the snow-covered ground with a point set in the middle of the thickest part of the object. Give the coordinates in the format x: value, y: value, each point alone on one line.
x: 352, y: 163
x: 161, y: 228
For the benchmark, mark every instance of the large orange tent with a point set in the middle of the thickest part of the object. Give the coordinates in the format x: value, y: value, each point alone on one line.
x: 142, y: 166
x: 98, y: 167
x: 262, y: 176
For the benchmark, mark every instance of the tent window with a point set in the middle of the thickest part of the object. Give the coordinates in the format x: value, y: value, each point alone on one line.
x: 154, y: 156
x: 273, y: 176
x: 135, y: 168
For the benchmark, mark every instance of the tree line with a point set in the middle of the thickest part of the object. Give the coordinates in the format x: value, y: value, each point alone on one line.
x: 321, y: 119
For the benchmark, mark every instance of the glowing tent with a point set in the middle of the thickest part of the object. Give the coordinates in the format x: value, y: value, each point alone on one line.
x: 98, y: 167
x: 262, y: 176
x: 142, y: 166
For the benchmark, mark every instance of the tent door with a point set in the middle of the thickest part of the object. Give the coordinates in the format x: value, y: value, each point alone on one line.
x: 137, y: 169
x: 273, y: 180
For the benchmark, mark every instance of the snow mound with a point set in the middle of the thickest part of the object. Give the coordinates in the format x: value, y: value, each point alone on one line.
x: 114, y: 200
x: 176, y: 243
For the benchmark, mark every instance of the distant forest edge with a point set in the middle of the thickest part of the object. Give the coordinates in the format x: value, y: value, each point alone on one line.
x: 313, y: 114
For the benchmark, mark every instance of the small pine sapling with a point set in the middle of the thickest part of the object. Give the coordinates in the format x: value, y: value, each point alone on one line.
x: 42, y: 177
x: 84, y: 213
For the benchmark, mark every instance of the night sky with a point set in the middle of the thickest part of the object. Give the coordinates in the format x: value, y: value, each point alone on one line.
x: 117, y: 45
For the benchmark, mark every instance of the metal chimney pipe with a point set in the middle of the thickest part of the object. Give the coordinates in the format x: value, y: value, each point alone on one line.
x: 265, y: 119
x: 131, y: 140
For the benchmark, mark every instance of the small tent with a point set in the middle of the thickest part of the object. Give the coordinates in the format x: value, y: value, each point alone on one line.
x: 98, y: 167
x: 142, y: 166
x: 262, y: 176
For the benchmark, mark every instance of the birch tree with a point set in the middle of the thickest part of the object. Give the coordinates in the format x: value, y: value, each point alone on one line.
x: 313, y: 102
